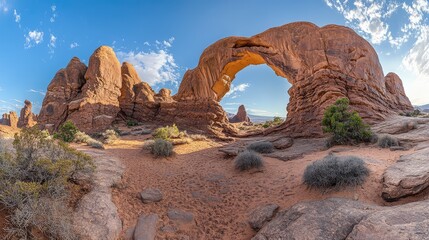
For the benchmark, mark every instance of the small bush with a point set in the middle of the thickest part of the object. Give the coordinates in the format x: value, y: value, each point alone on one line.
x: 346, y: 127
x: 247, y: 160
x: 162, y: 148
x: 109, y: 136
x: 132, y: 123
x: 166, y: 133
x: 95, y: 144
x: 66, y: 131
x: 336, y: 173
x: 81, y: 137
x: 198, y: 137
x: 261, y: 147
x: 272, y: 123
x: 387, y: 141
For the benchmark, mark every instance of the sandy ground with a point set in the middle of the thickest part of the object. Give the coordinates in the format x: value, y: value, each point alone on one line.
x: 200, y: 180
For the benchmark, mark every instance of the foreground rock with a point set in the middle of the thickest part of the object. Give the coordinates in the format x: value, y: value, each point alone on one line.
x: 96, y: 216
x: 328, y: 219
x: 146, y: 227
x: 262, y: 215
x: 409, y: 176
x: 27, y: 117
x: 151, y: 195
x: 241, y: 116
x: 337, y: 219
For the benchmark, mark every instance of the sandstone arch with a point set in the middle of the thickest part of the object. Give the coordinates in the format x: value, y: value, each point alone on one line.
x: 322, y: 64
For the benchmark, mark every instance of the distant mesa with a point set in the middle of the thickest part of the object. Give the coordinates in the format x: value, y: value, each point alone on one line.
x: 321, y: 63
x: 241, y: 116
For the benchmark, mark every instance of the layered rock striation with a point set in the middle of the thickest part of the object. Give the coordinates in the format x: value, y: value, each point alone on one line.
x: 321, y: 63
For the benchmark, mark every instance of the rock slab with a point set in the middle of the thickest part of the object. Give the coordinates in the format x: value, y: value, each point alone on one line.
x: 262, y: 215
x: 151, y: 195
x: 146, y: 227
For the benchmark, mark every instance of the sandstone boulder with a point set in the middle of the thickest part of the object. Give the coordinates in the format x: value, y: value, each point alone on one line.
x: 409, y: 176
x: 146, y: 227
x: 241, y: 115
x: 150, y: 195
x: 130, y: 78
x: 27, y: 117
x: 262, y: 215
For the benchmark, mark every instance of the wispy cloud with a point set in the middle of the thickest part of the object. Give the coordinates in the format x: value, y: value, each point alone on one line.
x: 52, y: 43
x: 153, y: 67
x: 74, y: 45
x: 37, y: 91
x: 17, y: 16
x: 3, y: 6
x: 33, y: 38
x: 235, y: 90
x: 54, y: 14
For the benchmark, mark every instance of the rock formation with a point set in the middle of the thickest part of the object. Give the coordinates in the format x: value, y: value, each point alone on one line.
x: 241, y: 115
x: 322, y: 64
x: 10, y: 119
x: 27, y: 117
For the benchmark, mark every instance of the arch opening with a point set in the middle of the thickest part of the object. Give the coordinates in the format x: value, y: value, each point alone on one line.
x: 263, y: 93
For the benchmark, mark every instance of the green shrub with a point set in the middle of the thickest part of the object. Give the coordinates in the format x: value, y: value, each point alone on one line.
x: 162, y: 148
x: 261, y: 147
x: 166, y: 132
x: 387, y: 141
x: 247, y: 160
x: 38, y: 168
x: 272, y: 123
x: 346, y: 127
x: 333, y: 172
x: 66, y: 131
x: 132, y: 123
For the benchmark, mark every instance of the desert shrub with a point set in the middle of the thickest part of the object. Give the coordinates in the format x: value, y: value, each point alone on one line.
x: 109, y: 136
x: 148, y: 144
x: 334, y: 172
x: 198, y: 137
x: 132, y: 123
x: 166, y: 132
x: 247, y: 160
x: 345, y: 126
x: 162, y: 148
x: 261, y: 147
x: 95, y: 144
x: 38, y: 168
x: 66, y: 131
x: 386, y: 141
x: 272, y: 123
x: 81, y: 137
x: 180, y: 141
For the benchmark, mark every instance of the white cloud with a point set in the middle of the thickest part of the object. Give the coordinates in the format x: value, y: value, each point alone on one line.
x: 33, y: 38
x: 234, y: 90
x: 154, y: 67
x: 74, y: 45
x: 417, y: 58
x: 36, y: 91
x: 17, y: 16
x: 54, y: 15
x: 3, y: 6
x: 52, y: 41
x: 260, y: 112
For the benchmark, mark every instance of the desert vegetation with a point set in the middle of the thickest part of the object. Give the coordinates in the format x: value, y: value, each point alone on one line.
x: 66, y: 131
x: 109, y: 136
x: 248, y: 160
x: 335, y: 173
x: 37, y: 177
x: 261, y: 147
x: 386, y: 141
x: 161, y: 148
x: 344, y: 125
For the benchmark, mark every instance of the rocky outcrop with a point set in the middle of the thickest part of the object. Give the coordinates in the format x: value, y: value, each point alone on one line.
x: 241, y: 115
x: 10, y: 119
x: 409, y: 176
x: 321, y: 63
x: 63, y: 89
x: 27, y: 118
x: 336, y: 218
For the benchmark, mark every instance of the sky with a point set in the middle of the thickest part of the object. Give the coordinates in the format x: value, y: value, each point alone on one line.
x: 165, y: 38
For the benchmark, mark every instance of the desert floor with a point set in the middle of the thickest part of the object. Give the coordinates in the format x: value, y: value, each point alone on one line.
x: 199, y: 179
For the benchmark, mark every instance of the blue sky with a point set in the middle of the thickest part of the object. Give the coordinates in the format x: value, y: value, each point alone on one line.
x: 165, y: 38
